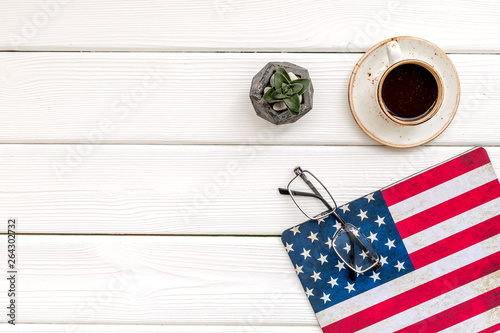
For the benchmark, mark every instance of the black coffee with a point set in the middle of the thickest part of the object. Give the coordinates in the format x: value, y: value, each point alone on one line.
x: 409, y: 91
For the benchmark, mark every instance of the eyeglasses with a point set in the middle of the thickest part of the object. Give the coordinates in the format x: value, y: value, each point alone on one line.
x: 351, y: 246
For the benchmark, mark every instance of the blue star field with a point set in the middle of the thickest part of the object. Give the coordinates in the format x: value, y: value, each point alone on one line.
x: 324, y: 277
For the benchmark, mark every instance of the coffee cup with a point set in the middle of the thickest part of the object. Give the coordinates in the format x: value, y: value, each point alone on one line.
x: 409, y: 91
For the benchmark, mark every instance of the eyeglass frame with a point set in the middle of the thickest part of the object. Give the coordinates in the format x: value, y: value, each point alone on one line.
x: 299, y: 172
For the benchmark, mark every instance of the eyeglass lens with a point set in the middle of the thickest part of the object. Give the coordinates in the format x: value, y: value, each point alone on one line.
x: 359, y: 253
x: 317, y: 201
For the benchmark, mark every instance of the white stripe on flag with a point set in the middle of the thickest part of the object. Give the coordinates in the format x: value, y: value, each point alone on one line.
x: 477, y: 323
x: 441, y: 193
x: 451, y: 226
x: 437, y: 304
x: 408, y: 281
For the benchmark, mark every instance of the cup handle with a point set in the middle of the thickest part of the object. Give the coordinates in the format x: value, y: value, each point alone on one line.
x: 393, y: 52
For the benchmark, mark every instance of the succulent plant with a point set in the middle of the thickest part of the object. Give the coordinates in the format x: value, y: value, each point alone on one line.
x: 287, y: 90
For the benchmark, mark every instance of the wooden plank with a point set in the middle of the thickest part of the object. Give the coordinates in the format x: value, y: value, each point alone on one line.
x: 36, y: 328
x: 202, y: 98
x: 222, y: 25
x: 121, y: 189
x: 235, y: 281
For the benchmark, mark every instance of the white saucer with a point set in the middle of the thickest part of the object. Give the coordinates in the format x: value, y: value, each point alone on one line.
x: 363, y: 98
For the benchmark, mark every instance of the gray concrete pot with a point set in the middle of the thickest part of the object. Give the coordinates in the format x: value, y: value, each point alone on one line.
x: 265, y: 110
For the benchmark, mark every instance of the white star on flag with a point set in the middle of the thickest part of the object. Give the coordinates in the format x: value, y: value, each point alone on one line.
x: 337, y: 225
x: 383, y: 261
x: 374, y: 276
x: 325, y: 298
x: 329, y: 243
x: 288, y: 248
x: 305, y: 253
x: 372, y: 237
x: 345, y: 208
x: 333, y: 282
x: 347, y: 248
x: 315, y: 276
x: 322, y: 258
x: 400, y: 265
x: 295, y: 230
x: 313, y: 237
x: 350, y: 287
x: 340, y: 265
x: 320, y: 221
x: 390, y: 243
x: 309, y: 292
x: 362, y: 214
x: 370, y: 197
x: 298, y: 269
x: 380, y: 220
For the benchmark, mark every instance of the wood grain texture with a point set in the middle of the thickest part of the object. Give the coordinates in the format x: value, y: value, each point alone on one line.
x: 122, y: 189
x: 235, y: 25
x: 235, y: 281
x: 36, y: 328
x: 202, y: 98
x: 136, y: 146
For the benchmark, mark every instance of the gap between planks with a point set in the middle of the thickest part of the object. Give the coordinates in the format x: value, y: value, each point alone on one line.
x: 112, y: 25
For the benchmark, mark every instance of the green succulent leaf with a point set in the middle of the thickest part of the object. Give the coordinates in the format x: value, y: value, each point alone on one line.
x: 296, y: 87
x: 279, y: 80
x: 267, y: 96
x: 283, y: 72
x: 305, y: 85
x: 278, y: 95
x: 285, y: 88
x: 293, y: 104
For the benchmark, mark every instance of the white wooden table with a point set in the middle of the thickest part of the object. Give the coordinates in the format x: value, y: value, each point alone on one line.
x: 144, y: 185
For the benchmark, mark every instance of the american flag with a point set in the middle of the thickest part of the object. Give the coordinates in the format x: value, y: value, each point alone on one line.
x: 438, y: 237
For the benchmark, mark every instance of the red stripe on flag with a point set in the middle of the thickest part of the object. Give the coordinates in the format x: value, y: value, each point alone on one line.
x: 435, y: 176
x: 416, y: 296
x: 492, y: 329
x: 457, y: 314
x: 456, y: 242
x: 449, y: 209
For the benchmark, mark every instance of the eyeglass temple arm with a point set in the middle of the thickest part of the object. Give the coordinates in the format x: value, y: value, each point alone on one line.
x: 301, y: 174
x: 284, y: 191
x: 352, y: 273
